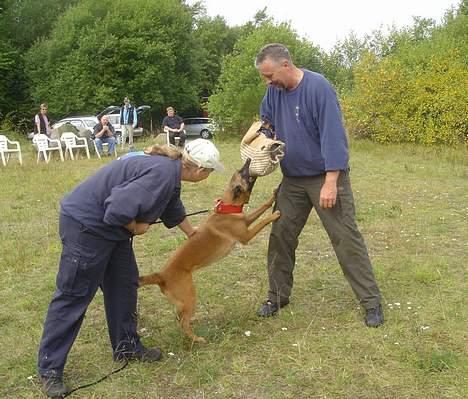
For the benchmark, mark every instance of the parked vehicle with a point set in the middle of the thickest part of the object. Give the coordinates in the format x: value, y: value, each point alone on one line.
x: 80, y: 122
x: 88, y: 122
x: 200, y: 127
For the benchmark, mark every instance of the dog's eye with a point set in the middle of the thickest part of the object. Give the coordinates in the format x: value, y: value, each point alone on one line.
x: 237, y: 191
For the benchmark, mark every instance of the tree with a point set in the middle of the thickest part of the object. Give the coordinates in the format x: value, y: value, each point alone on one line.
x: 240, y: 91
x: 98, y: 52
x: 214, y: 39
x: 22, y: 22
x: 25, y: 21
x: 417, y: 92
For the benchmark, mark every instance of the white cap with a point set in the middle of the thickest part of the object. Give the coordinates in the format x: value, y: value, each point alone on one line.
x: 205, y: 154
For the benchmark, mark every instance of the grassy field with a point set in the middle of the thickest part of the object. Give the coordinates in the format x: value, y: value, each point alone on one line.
x: 412, y: 209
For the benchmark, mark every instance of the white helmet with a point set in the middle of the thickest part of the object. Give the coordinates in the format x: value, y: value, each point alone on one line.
x: 205, y: 154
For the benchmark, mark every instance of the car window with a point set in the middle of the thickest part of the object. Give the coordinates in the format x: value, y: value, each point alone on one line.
x: 90, y: 122
x: 77, y: 124
x: 114, y: 119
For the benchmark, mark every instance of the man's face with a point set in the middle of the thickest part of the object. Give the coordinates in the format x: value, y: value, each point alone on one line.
x: 170, y: 112
x: 127, y: 102
x: 104, y: 120
x: 273, y: 73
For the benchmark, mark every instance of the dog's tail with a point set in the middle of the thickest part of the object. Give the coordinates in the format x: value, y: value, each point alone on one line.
x: 154, y: 278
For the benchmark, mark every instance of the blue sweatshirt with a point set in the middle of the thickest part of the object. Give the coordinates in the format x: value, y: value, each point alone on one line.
x: 142, y: 188
x: 308, y: 120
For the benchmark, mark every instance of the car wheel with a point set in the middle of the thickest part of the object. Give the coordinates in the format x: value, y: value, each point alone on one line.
x: 205, y: 134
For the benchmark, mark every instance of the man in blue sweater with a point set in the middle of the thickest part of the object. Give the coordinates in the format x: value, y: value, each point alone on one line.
x: 304, y: 110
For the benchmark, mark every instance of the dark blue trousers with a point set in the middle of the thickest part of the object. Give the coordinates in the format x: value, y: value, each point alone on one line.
x: 88, y: 262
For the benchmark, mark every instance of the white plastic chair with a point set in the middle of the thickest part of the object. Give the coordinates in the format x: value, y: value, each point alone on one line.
x: 176, y: 137
x: 103, y: 149
x: 72, y: 141
x: 5, y: 151
x: 43, y: 147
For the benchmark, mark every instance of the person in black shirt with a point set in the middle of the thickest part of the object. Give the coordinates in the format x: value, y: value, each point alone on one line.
x: 174, y: 126
x: 104, y: 132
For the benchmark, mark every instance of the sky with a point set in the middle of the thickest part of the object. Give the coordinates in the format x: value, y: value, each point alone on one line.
x: 325, y: 22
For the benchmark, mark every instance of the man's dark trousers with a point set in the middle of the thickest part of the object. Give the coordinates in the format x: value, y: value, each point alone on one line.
x: 295, y: 199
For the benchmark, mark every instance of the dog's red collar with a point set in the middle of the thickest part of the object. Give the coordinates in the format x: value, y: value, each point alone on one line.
x: 221, y: 207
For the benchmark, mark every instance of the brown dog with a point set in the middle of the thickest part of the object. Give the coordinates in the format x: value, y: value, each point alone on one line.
x: 214, y: 239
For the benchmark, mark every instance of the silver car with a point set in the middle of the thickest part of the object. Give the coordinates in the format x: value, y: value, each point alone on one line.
x: 200, y: 127
x: 87, y: 122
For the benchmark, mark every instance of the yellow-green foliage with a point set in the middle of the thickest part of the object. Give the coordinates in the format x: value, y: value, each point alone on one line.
x: 416, y: 94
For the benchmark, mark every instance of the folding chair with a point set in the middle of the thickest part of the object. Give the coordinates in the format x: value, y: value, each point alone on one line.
x: 72, y: 141
x: 43, y: 147
x: 103, y: 146
x: 5, y: 151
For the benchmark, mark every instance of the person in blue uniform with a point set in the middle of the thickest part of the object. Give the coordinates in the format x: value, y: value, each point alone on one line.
x: 98, y: 220
x: 306, y: 115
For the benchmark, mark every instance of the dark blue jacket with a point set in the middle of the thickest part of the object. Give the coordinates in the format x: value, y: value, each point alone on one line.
x: 308, y: 120
x: 128, y: 116
x: 141, y: 188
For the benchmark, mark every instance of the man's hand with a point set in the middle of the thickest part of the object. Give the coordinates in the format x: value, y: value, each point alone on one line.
x: 329, y: 190
x: 137, y: 228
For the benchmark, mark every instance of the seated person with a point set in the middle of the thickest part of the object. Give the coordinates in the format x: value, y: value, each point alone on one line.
x: 104, y: 133
x: 174, y: 124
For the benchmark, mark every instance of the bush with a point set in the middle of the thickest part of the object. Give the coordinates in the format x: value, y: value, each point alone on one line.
x: 416, y: 94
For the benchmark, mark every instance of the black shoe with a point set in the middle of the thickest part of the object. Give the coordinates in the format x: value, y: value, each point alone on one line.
x: 147, y: 355
x: 54, y: 386
x: 374, y: 316
x: 269, y: 308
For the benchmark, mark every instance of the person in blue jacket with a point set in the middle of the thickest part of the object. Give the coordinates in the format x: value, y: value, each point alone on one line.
x: 304, y: 109
x: 128, y: 122
x: 98, y: 220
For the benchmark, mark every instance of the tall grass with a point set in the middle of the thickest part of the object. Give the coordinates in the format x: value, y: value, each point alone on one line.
x: 412, y: 210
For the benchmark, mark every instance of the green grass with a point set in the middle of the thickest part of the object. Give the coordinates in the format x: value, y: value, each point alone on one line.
x: 412, y: 210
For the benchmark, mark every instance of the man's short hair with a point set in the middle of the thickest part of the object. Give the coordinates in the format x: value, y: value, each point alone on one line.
x: 276, y: 52
x: 169, y: 109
